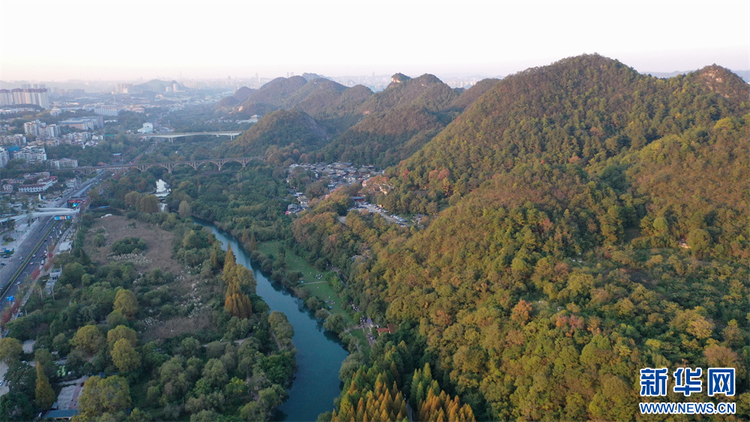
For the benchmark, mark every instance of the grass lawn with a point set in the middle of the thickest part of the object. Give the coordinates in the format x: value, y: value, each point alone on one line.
x: 360, y: 336
x: 317, y: 287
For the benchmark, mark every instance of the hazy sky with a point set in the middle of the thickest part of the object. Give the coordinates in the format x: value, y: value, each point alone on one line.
x: 102, y: 39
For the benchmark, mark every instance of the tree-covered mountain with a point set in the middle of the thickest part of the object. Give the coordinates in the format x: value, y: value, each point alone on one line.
x: 281, y: 133
x: 382, y: 128
x: 585, y: 110
x: 401, y: 119
x: 239, y: 97
x: 333, y: 105
x: 585, y: 222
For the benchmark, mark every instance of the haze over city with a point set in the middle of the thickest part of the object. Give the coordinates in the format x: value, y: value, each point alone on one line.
x: 117, y: 40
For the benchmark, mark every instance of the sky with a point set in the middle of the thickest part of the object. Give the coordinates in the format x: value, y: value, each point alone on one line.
x: 121, y: 40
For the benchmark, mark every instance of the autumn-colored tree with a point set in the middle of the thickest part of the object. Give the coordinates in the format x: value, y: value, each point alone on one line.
x: 126, y: 303
x: 442, y: 408
x: 229, y: 262
x: 374, y: 400
x: 124, y: 356
x: 132, y: 199
x: 149, y: 204
x: 236, y: 302
x: 253, y: 243
x: 185, y: 210
x: 10, y: 349
x: 45, y: 396
x: 100, y: 395
x: 89, y: 339
x: 121, y: 332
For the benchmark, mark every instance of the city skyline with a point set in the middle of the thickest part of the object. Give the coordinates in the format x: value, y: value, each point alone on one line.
x: 114, y: 40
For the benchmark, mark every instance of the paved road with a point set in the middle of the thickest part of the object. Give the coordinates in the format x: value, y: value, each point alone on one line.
x: 43, y: 236
x: 37, y: 240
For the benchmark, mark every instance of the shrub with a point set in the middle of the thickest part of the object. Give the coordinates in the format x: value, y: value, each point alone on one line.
x: 128, y: 245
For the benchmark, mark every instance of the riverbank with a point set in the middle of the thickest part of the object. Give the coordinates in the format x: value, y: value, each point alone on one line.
x: 317, y: 284
x: 319, y: 352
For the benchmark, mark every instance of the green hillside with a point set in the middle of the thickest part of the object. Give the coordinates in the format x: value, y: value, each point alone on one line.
x: 584, y: 110
x: 280, y: 133
x: 586, y: 222
x: 397, y: 122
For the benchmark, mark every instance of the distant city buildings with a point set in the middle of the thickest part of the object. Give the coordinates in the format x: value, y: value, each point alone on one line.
x: 31, y: 154
x: 84, y: 123
x: 4, y: 157
x: 40, y: 129
x: 63, y: 163
x: 40, y: 182
x: 27, y: 94
x: 107, y: 111
x: 147, y: 128
x: 123, y: 88
x: 17, y: 139
x: 41, y: 185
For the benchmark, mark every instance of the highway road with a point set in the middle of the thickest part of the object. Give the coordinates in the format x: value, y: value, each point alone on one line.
x: 45, y: 232
x: 43, y: 237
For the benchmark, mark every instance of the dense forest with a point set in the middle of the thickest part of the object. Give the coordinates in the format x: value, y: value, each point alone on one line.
x: 585, y: 221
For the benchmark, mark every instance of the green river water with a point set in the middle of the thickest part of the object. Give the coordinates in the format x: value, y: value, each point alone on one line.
x: 319, y: 352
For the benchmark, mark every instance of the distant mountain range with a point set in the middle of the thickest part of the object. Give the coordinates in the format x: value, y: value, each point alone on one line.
x: 158, y: 86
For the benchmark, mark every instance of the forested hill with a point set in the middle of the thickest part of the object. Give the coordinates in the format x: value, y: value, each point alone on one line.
x: 585, y: 110
x: 400, y: 120
x: 235, y: 99
x: 318, y: 97
x: 585, y: 221
x: 282, y: 133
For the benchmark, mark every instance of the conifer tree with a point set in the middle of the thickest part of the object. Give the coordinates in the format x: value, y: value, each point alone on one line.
x: 45, y: 396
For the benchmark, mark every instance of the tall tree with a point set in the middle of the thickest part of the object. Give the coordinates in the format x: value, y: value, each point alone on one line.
x: 101, y: 395
x: 124, y: 356
x: 126, y: 303
x: 121, y: 332
x: 185, y: 210
x: 10, y: 349
x: 88, y: 339
x: 45, y: 396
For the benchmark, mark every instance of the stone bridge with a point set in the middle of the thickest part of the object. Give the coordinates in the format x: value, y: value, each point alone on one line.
x: 218, y: 162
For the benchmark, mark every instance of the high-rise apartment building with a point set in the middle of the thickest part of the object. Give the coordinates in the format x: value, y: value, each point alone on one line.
x: 27, y: 94
x: 4, y: 157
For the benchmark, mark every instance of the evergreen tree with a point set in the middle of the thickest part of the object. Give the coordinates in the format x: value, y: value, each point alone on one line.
x: 45, y: 396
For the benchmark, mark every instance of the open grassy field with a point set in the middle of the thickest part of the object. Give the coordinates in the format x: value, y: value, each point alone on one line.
x: 317, y: 286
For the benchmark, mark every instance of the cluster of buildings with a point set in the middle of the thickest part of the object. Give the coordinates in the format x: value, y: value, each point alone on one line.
x: 31, y: 183
x: 337, y: 174
x: 41, y: 129
x: 19, y: 146
x: 27, y: 94
x: 33, y: 154
x: 63, y: 163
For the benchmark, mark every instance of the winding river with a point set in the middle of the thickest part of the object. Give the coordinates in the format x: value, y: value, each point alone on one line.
x: 319, y: 352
